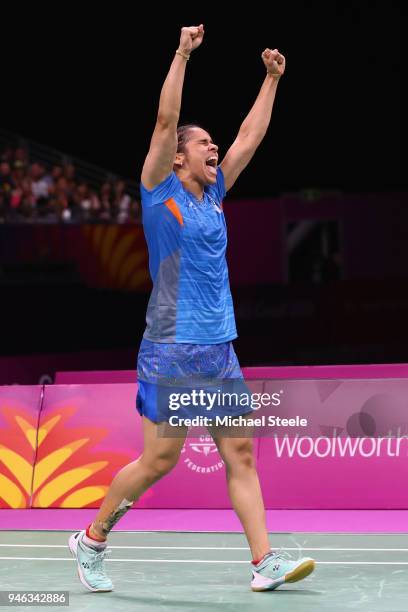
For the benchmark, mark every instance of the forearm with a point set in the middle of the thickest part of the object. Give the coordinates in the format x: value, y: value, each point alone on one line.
x: 170, y: 97
x: 256, y: 123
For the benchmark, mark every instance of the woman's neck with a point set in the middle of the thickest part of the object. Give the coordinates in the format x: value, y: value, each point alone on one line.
x: 194, y: 188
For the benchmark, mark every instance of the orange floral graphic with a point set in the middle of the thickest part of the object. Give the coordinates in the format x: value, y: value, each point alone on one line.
x: 53, y: 471
x: 120, y: 255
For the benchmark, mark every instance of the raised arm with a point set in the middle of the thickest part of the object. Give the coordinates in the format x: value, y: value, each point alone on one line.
x: 254, y: 127
x: 163, y: 146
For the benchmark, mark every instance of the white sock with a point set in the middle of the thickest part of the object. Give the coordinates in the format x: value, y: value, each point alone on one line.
x: 93, y: 543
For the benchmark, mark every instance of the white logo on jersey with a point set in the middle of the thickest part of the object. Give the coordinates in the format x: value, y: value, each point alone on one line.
x: 215, y: 205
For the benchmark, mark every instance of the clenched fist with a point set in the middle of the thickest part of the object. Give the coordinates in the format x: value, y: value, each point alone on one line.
x: 191, y: 38
x: 274, y: 62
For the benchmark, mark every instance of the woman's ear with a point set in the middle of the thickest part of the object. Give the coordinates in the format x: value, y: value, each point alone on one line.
x: 178, y: 161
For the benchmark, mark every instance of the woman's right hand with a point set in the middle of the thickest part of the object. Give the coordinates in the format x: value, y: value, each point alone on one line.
x: 191, y: 38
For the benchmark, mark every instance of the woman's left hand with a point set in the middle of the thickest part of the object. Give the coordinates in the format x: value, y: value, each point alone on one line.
x: 274, y: 62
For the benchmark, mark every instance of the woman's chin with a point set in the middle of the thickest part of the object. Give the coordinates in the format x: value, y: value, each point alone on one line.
x: 211, y: 176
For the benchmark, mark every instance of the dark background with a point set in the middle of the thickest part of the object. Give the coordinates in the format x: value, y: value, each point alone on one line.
x: 88, y: 84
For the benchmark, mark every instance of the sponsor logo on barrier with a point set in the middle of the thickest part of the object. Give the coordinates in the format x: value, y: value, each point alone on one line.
x: 323, y: 446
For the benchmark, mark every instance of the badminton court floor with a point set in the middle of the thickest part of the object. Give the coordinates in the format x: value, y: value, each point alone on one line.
x: 190, y: 571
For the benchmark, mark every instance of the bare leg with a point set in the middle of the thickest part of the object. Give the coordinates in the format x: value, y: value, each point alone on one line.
x: 245, y: 491
x: 159, y: 456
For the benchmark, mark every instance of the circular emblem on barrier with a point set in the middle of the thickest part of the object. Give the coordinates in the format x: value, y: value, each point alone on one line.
x: 201, y: 455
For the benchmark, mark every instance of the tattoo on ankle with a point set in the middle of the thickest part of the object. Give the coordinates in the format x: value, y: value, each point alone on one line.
x: 105, y: 526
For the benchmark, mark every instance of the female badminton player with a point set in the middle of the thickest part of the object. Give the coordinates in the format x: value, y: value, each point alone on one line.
x: 190, y: 317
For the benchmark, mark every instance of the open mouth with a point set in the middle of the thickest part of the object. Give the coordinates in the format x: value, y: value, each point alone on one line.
x: 212, y: 161
x: 211, y: 164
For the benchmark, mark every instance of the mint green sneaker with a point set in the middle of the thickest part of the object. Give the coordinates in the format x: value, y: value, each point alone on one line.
x: 276, y: 568
x: 90, y: 564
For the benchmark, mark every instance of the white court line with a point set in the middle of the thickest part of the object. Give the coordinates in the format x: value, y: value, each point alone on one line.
x: 209, y: 548
x: 199, y: 561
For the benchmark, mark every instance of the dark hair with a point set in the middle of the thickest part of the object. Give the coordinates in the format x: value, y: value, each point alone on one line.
x: 182, y: 135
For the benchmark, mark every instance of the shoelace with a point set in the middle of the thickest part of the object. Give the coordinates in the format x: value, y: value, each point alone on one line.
x: 278, y: 555
x: 97, y: 559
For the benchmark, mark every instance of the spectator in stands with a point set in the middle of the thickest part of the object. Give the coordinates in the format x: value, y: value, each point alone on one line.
x: 7, y: 155
x: 21, y: 155
x: 105, y: 213
x: 29, y: 192
x: 39, y: 184
x: 121, y: 202
x: 62, y: 207
x: 83, y: 202
x: 95, y: 206
x: 21, y: 200
x: 6, y: 181
x: 22, y: 205
x: 62, y: 187
x: 135, y: 212
x: 18, y: 172
x: 69, y: 174
x: 56, y: 173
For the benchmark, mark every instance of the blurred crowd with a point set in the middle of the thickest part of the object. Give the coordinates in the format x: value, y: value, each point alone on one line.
x: 30, y: 192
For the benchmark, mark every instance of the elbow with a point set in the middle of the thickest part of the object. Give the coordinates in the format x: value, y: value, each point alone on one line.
x: 244, y: 132
x: 254, y: 133
x: 250, y: 141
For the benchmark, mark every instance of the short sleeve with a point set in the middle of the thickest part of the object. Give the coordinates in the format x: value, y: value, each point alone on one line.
x: 161, y: 192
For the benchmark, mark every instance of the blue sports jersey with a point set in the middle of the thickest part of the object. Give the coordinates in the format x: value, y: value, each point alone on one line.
x: 191, y: 299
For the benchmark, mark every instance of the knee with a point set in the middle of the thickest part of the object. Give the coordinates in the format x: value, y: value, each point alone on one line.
x: 241, y: 456
x: 159, y: 465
